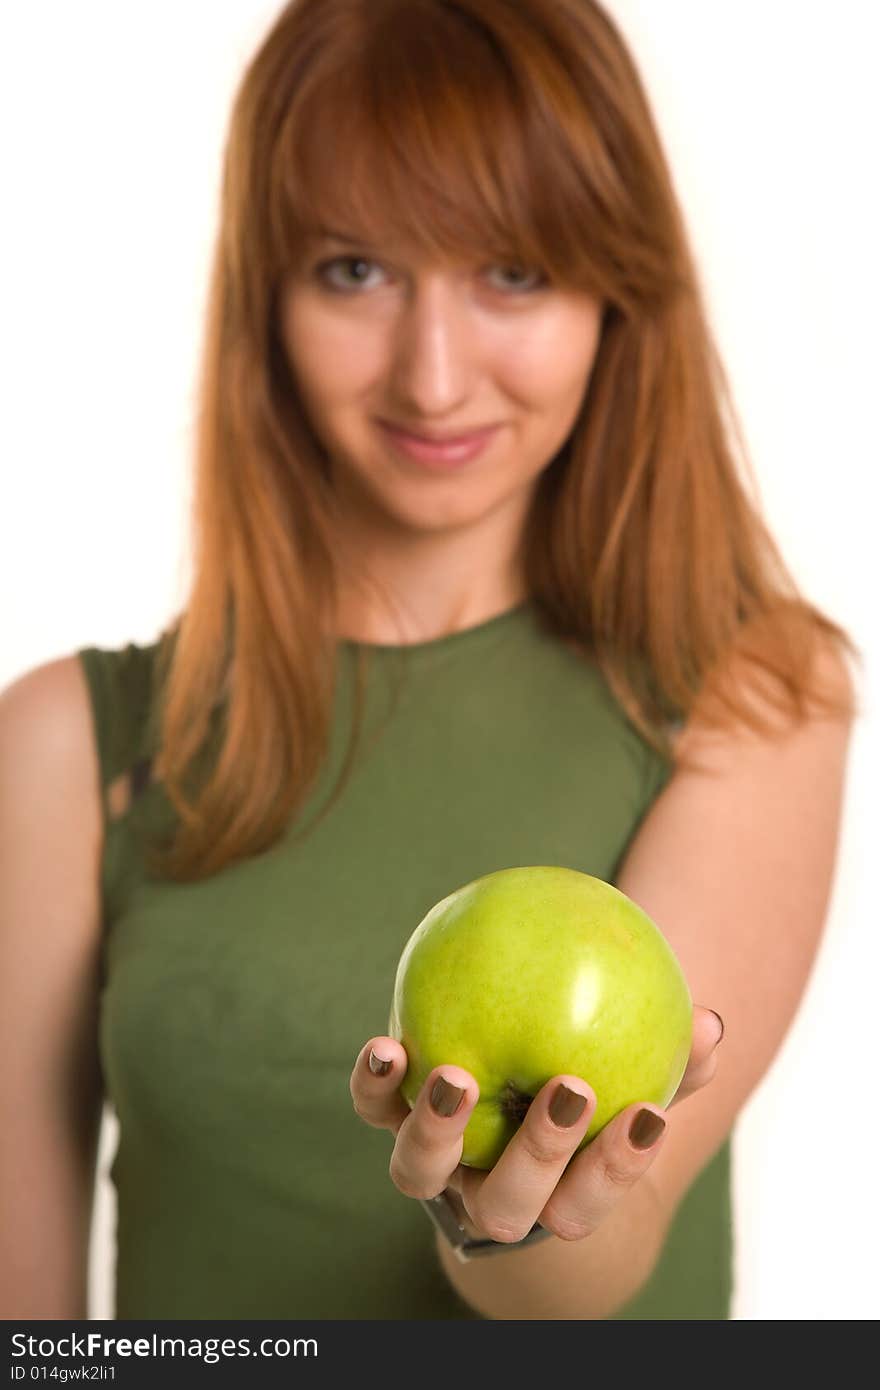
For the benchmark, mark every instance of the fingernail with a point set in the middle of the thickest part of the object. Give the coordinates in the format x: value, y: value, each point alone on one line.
x: 378, y: 1065
x: 445, y: 1098
x: 720, y: 1025
x: 567, y: 1106
x: 646, y: 1129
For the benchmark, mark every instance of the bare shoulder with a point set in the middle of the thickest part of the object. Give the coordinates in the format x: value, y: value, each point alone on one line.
x: 48, y: 751
x: 54, y: 693
x: 698, y: 742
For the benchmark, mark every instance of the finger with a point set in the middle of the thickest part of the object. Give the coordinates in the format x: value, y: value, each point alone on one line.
x: 708, y: 1030
x: 374, y: 1092
x: 601, y: 1174
x: 429, y: 1142
x: 506, y: 1202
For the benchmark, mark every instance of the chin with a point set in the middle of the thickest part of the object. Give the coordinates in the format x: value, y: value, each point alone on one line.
x: 424, y: 510
x: 443, y: 518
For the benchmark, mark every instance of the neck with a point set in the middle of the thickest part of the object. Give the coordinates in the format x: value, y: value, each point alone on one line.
x: 409, y: 587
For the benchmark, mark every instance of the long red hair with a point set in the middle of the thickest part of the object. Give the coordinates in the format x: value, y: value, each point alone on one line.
x: 471, y: 128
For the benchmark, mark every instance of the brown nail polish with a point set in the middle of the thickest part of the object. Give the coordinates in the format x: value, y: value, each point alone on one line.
x: 567, y: 1106
x: 377, y: 1066
x: 445, y: 1098
x: 646, y: 1129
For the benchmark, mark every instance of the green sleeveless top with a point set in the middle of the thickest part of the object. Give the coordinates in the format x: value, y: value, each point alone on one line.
x: 232, y: 1009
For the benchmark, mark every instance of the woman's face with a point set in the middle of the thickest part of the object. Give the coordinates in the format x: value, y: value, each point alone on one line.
x: 436, y: 349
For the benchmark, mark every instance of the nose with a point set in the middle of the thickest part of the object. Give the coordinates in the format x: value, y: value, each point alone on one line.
x: 434, y: 351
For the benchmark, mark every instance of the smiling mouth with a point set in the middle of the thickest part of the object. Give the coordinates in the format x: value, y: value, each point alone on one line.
x: 437, y: 455
x: 460, y: 437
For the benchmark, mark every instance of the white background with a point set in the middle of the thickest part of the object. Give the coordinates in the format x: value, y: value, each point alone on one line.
x: 113, y: 118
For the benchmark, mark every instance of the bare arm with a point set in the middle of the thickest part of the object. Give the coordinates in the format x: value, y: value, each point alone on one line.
x: 735, y: 864
x: 50, y: 1083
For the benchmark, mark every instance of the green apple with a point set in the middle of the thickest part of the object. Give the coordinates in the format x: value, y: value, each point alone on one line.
x: 530, y: 972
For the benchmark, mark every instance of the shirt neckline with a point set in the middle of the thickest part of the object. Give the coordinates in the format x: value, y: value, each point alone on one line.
x: 463, y: 637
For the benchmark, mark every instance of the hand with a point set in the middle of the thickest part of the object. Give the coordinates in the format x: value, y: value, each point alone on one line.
x: 536, y: 1178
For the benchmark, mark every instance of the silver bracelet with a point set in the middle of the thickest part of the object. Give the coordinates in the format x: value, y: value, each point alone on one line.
x: 446, y: 1218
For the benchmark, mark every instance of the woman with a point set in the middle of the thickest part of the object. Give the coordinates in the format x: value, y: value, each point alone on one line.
x: 403, y: 665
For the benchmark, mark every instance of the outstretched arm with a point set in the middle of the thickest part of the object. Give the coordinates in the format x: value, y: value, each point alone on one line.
x: 735, y: 864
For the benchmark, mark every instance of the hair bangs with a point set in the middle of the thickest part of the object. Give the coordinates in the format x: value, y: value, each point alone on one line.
x: 432, y: 144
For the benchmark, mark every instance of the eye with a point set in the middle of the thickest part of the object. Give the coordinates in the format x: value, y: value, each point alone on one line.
x: 535, y: 278
x: 334, y: 274
x: 343, y: 283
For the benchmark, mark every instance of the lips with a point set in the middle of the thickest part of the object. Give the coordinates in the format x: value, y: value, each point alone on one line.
x: 440, y: 453
x: 465, y: 436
